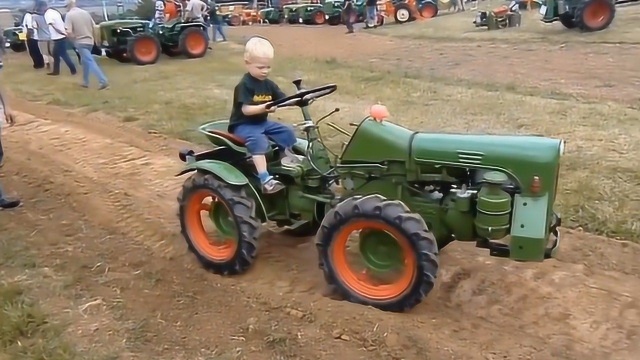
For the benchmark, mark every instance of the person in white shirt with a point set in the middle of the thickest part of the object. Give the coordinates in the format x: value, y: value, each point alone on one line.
x: 53, y: 18
x: 195, y: 10
x: 32, y: 40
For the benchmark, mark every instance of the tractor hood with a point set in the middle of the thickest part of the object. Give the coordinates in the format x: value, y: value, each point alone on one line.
x: 121, y: 23
x: 522, y: 157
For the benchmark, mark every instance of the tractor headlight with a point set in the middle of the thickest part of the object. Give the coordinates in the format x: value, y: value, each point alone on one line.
x: 561, y: 150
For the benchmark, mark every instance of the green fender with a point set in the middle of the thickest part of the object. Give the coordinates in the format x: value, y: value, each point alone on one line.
x: 226, y: 173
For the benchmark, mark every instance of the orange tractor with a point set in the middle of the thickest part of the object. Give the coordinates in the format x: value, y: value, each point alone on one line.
x: 241, y: 13
x: 409, y: 10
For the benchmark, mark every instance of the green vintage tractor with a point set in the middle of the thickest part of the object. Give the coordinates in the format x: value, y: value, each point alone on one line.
x: 585, y: 15
x: 325, y: 12
x: 141, y: 43
x: 382, y: 210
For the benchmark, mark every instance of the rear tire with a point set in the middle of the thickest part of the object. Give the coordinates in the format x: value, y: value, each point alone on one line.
x: 374, y: 213
x: 428, y: 10
x: 143, y: 49
x: 193, y: 43
x: 566, y: 19
x: 235, y: 255
x: 595, y: 15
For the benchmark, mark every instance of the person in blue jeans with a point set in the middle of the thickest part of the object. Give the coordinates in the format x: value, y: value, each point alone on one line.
x: 58, y: 34
x: 6, y: 115
x: 79, y: 26
x: 371, y: 7
x: 216, y: 22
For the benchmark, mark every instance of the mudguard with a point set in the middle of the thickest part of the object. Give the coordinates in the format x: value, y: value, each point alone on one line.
x: 227, y: 173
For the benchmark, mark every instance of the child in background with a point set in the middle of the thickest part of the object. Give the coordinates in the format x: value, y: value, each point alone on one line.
x: 249, y: 114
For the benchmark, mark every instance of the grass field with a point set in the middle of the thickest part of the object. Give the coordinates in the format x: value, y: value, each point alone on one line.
x: 44, y: 292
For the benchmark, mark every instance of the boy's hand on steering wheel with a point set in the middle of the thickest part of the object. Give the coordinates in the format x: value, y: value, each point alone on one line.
x: 269, y: 110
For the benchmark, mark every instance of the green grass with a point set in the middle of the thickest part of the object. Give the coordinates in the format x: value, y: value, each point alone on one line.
x: 599, y: 177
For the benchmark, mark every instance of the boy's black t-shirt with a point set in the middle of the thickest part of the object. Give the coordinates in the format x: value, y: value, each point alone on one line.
x: 251, y: 91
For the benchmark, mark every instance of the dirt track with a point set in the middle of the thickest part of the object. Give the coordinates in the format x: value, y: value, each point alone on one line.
x: 116, y: 185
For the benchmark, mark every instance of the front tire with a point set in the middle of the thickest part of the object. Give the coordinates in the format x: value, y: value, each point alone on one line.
x: 379, y: 221
x: 193, y: 42
x: 595, y: 15
x: 232, y: 212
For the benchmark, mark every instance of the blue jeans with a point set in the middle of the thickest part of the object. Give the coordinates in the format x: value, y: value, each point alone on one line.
x: 89, y: 65
x: 256, y: 136
x: 60, y: 52
x: 217, y: 29
x: 371, y: 15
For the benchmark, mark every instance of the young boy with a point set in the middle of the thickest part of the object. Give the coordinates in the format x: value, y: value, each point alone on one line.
x: 249, y: 114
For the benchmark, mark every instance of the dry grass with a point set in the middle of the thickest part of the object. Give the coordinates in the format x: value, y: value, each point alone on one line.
x: 599, y: 178
x: 26, y: 330
x: 459, y: 27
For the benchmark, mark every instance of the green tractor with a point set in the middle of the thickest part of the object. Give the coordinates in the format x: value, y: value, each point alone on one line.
x: 400, y: 195
x: 140, y: 42
x: 585, y: 15
x: 326, y: 12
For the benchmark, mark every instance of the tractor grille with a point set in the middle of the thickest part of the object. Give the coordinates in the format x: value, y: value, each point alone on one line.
x: 470, y: 157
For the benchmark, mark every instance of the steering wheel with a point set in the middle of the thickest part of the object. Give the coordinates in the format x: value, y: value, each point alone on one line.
x: 304, y: 97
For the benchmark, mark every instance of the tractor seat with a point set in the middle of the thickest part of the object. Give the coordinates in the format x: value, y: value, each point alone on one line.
x: 229, y: 136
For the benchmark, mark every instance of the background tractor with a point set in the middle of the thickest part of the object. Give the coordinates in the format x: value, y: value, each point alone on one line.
x: 382, y: 209
x: 142, y: 42
x: 501, y: 17
x: 586, y: 15
x: 409, y: 10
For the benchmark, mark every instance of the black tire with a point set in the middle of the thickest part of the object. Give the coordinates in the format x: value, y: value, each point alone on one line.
x: 234, y: 20
x: 402, y: 13
x: 242, y: 209
x: 566, y: 19
x: 171, y: 51
x: 144, y: 49
x: 393, y: 215
x: 582, y: 12
x: 334, y: 20
x: 18, y: 46
x: 193, y: 42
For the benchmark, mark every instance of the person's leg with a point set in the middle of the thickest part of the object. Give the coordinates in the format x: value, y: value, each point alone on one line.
x: 284, y: 136
x: 55, y: 51
x: 257, y: 145
x: 221, y: 31
x: 349, y: 22
x: 1, y: 149
x: 6, y: 203
x: 89, y: 63
x: 206, y: 33
x: 64, y: 54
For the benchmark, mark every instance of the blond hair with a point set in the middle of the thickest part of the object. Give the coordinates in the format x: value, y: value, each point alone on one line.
x: 258, y: 47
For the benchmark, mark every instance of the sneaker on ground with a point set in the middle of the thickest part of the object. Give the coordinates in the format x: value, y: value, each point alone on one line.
x: 9, y: 203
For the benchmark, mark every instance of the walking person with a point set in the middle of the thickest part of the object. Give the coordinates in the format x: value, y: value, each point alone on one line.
x: 6, y: 115
x: 348, y: 15
x: 79, y: 26
x: 32, y: 40
x: 371, y: 7
x: 44, y: 37
x: 216, y: 22
x: 59, y: 40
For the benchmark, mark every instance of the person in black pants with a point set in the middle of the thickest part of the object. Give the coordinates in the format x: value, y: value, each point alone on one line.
x: 32, y: 41
x: 348, y: 15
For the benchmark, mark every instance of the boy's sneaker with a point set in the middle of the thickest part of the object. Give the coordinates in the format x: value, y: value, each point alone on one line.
x: 272, y: 186
x: 6, y: 204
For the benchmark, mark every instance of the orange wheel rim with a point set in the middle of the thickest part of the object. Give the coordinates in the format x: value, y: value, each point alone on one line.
x: 428, y: 12
x: 355, y: 280
x: 195, y: 43
x: 319, y: 18
x: 597, y: 14
x: 145, y: 49
x: 216, y: 248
